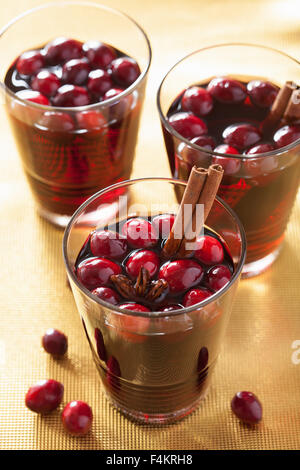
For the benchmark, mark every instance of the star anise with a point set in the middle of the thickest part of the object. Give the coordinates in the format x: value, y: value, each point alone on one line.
x: 143, y: 289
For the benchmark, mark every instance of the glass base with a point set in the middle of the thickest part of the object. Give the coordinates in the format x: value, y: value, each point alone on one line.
x: 163, y: 418
x: 258, y: 267
x: 59, y: 220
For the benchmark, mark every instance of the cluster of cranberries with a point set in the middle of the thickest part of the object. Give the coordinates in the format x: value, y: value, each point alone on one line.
x: 190, y: 280
x: 195, y: 110
x: 46, y: 395
x: 69, y: 73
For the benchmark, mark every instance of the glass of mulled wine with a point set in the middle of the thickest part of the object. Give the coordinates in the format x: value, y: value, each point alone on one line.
x: 154, y: 325
x: 213, y: 106
x: 73, y: 88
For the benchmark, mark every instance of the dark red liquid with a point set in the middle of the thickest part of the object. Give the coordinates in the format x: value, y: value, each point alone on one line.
x: 262, y: 193
x: 65, y: 167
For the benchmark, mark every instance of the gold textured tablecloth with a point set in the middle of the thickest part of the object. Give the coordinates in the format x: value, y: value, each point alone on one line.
x: 265, y: 322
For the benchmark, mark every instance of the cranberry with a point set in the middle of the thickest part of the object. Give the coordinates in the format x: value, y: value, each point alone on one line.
x: 227, y: 90
x: 113, y: 372
x: 33, y: 96
x: 205, y: 141
x: 195, y: 296
x: 142, y: 258
x: 77, y: 417
x: 119, y: 109
x: 71, y: 95
x: 96, y: 272
x: 91, y: 120
x: 163, y: 224
x: 44, y: 396
x: 170, y: 308
x: 107, y: 294
x: 108, y: 243
x: 202, y: 359
x: 135, y: 308
x: 100, y: 55
x: 181, y: 274
x: 197, y: 100
x: 258, y: 167
x: 241, y: 136
x: 261, y: 93
x: 140, y: 233
x: 247, y: 407
x: 30, y: 62
x: 132, y: 327
x: 57, y: 122
x: 261, y: 148
x: 125, y: 71
x: 99, y: 82
x: 100, y: 344
x: 112, y: 93
x: 218, y: 277
x: 188, y: 125
x: 209, y: 250
x: 230, y: 165
x: 61, y: 50
x: 286, y: 135
x: 46, y: 83
x: 55, y: 342
x: 75, y: 71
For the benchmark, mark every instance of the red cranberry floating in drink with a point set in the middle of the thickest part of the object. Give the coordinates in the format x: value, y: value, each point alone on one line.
x: 140, y: 233
x: 163, y: 224
x: 125, y: 71
x: 287, y: 135
x: 100, y: 55
x: 230, y: 166
x: 205, y: 141
x: 99, y: 82
x: 181, y: 274
x: 75, y: 71
x: 142, y: 258
x: 44, y: 396
x: 100, y: 346
x: 30, y: 62
x: 47, y: 83
x: 132, y: 321
x: 108, y: 243
x: 209, y: 250
x: 77, y: 418
x: 247, y: 407
x: 96, y: 272
x: 71, y: 96
x: 171, y: 308
x: 55, y: 342
x: 241, y: 136
x: 227, y: 90
x: 262, y: 93
x: 61, y: 50
x: 91, y: 120
x: 197, y: 100
x: 260, y: 148
x: 107, y: 294
x: 187, y: 125
x: 218, y: 277
x: 224, y: 148
x: 33, y: 96
x: 55, y: 121
x: 195, y: 296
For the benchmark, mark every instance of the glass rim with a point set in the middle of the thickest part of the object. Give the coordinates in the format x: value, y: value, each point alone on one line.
x: 92, y: 106
x: 154, y: 314
x: 166, y: 124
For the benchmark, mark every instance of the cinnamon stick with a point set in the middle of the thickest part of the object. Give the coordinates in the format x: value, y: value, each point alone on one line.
x: 292, y: 112
x: 278, y: 107
x: 201, y: 188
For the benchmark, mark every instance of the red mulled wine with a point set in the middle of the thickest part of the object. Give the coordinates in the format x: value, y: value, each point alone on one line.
x: 73, y: 148
x: 225, y: 116
x: 167, y: 357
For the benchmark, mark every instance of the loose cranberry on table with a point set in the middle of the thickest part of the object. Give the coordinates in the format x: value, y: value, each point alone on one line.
x: 77, y: 417
x: 30, y: 62
x: 247, y: 407
x: 96, y: 272
x: 262, y: 94
x: 187, y: 125
x: 241, y: 136
x: 181, y: 274
x: 100, y: 55
x: 208, y: 250
x: 107, y: 294
x: 44, y: 396
x: 197, y: 100
x: 76, y: 71
x: 140, y: 233
x: 61, y: 50
x: 108, y: 243
x: 46, y: 83
x: 142, y: 258
x: 287, y: 135
x: 227, y: 90
x: 55, y: 342
x: 218, y: 277
x: 125, y: 71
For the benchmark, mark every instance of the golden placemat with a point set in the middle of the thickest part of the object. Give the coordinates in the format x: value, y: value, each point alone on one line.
x: 257, y: 351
